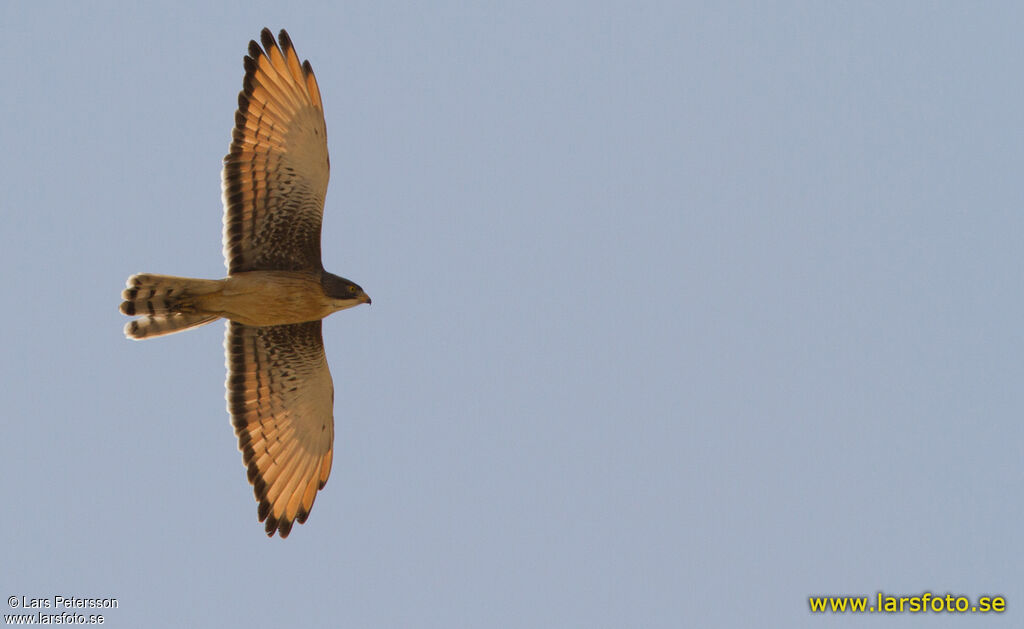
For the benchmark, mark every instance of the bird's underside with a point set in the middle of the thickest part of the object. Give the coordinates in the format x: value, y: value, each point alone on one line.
x: 279, y: 389
x: 258, y: 298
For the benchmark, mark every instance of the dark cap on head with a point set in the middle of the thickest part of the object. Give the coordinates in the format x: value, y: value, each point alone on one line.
x: 337, y: 287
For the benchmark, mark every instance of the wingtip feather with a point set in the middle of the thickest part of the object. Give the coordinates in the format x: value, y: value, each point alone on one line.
x: 267, y: 37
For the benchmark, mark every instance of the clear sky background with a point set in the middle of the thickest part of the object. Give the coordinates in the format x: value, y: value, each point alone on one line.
x: 680, y: 314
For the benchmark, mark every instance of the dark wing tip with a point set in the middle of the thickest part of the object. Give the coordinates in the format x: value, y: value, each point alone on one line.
x: 268, y: 39
x: 284, y: 528
x: 259, y: 486
x: 255, y: 52
x: 249, y: 61
x: 286, y: 41
x: 281, y: 527
x: 243, y: 107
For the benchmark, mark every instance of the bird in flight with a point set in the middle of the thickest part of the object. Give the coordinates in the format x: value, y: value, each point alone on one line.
x: 279, y: 390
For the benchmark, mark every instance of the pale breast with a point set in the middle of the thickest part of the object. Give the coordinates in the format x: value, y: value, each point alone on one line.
x: 262, y: 298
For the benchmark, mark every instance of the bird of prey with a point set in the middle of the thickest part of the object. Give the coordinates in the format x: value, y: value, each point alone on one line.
x: 279, y: 390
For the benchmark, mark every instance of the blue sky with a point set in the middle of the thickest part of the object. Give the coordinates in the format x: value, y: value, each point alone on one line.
x: 681, y: 314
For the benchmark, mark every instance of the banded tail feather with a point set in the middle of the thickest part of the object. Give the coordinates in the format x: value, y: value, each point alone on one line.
x: 165, y: 303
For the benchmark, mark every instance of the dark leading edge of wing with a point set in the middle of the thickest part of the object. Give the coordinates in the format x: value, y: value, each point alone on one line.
x: 275, y: 175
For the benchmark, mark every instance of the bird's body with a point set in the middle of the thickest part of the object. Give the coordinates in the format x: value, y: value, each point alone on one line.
x: 279, y: 389
x: 256, y: 298
x: 262, y: 298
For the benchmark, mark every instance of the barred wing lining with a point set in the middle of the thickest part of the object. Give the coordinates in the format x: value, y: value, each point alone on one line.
x: 281, y: 397
x: 275, y: 174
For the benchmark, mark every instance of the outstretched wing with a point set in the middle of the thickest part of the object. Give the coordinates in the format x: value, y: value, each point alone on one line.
x: 281, y: 398
x: 275, y: 176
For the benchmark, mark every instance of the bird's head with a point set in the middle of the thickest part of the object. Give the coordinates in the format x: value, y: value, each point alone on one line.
x: 343, y: 293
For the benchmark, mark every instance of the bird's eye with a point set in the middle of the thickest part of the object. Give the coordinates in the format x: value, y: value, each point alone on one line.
x: 352, y: 289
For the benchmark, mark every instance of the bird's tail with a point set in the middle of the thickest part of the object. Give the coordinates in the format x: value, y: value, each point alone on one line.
x: 166, y: 304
